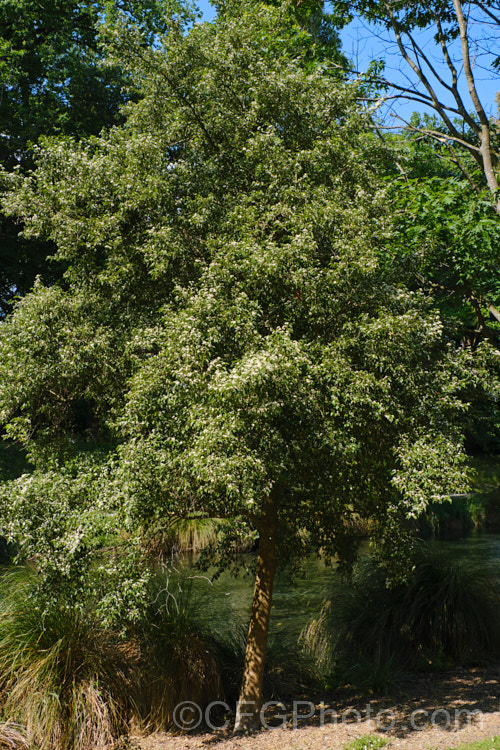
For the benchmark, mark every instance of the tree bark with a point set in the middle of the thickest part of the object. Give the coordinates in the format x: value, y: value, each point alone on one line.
x: 250, y: 701
x: 485, y: 135
x: 482, y: 327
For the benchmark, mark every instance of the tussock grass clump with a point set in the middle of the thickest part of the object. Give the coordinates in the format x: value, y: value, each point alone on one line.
x: 289, y: 670
x: 182, y: 537
x: 65, y: 680
x: 12, y: 738
x: 448, y: 612
x: 177, y: 661
x: 67, y: 683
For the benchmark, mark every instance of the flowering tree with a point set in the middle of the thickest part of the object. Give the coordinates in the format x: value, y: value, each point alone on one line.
x: 226, y: 322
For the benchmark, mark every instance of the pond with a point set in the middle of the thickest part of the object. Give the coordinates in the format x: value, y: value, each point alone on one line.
x: 297, y: 601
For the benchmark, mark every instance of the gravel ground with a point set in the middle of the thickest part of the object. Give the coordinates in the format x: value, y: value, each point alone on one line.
x: 424, y: 712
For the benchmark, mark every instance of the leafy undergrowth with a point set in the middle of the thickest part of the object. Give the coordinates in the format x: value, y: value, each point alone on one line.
x: 367, y: 742
x: 492, y: 743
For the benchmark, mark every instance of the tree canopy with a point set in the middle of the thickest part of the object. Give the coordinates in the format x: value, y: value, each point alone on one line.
x: 56, y: 79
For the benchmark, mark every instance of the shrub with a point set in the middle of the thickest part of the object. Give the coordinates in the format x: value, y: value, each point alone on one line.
x: 447, y: 612
x: 66, y: 681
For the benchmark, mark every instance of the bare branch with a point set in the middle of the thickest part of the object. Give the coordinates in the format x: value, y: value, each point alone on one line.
x: 435, y: 103
x: 437, y: 135
x: 485, y: 9
x: 454, y: 76
x: 486, y: 149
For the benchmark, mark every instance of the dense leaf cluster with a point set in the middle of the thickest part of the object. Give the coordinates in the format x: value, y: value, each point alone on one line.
x: 228, y: 318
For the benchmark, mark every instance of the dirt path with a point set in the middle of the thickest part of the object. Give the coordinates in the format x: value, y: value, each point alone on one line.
x: 436, y: 711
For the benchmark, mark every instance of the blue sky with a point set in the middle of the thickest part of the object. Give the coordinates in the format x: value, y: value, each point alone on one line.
x: 362, y: 46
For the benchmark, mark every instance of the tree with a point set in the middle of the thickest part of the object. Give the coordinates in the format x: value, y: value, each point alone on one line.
x: 448, y: 243
x: 55, y: 80
x: 310, y: 15
x: 465, y: 32
x: 452, y: 208
x: 450, y: 231
x: 226, y: 317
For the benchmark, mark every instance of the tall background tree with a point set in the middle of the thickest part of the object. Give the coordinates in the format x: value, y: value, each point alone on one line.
x: 466, y: 36
x: 446, y: 196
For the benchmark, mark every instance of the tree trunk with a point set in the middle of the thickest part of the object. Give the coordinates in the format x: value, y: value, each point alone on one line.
x: 487, y: 153
x: 250, y: 701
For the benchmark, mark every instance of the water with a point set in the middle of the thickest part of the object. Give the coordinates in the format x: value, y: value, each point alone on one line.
x: 296, y: 602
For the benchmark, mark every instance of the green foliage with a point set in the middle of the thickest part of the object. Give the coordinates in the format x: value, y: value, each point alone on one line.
x: 450, y: 237
x: 491, y: 743
x: 366, y: 742
x: 53, y: 70
x: 455, y: 232
x: 310, y: 15
x: 78, y: 537
x: 226, y: 321
x: 446, y: 612
x: 64, y: 382
x: 447, y: 240
x: 56, y: 79
x: 65, y: 679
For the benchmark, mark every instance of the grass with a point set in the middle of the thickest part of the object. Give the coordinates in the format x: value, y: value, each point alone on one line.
x: 65, y: 681
x: 367, y: 742
x: 177, y: 661
x: 193, y: 647
x: 288, y: 672
x: 182, y: 538
x: 12, y: 738
x: 448, y: 613
x: 492, y: 743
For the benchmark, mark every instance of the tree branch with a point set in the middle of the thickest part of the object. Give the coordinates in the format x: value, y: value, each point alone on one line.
x: 486, y: 150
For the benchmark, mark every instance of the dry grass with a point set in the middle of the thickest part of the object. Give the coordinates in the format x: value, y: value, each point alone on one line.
x: 66, y: 681
x: 12, y: 737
